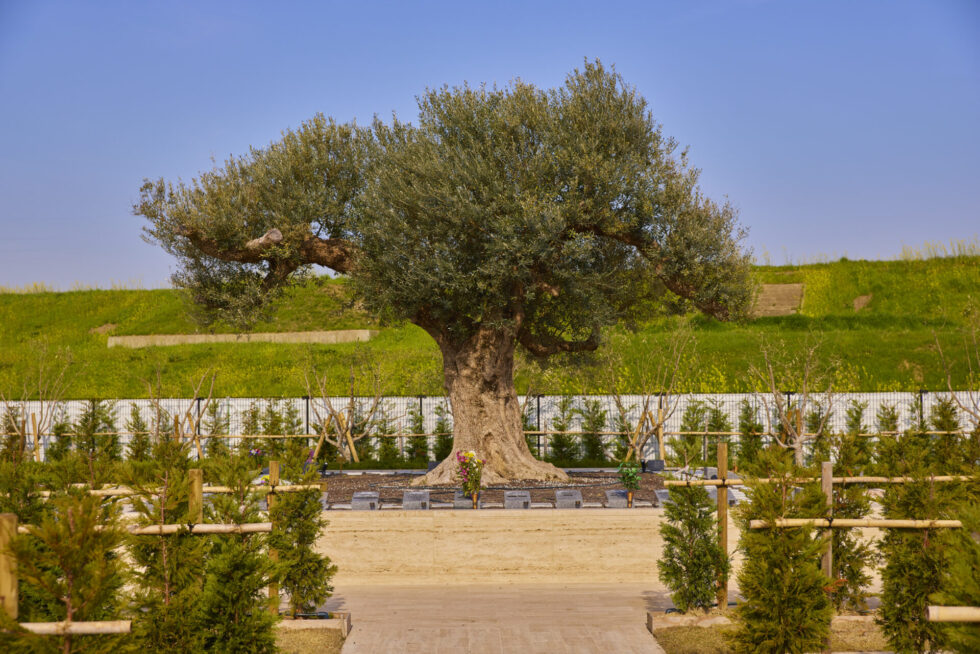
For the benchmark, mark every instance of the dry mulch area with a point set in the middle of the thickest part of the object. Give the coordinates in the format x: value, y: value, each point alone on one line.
x: 844, y: 637
x: 593, y: 486
x: 310, y: 641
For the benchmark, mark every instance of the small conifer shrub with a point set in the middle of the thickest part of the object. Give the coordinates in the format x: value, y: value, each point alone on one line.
x: 444, y: 433
x: 785, y: 607
x: 961, y: 585
x: 562, y: 447
x: 692, y: 562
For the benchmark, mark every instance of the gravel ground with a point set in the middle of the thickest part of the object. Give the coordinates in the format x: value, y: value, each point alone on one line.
x: 593, y: 485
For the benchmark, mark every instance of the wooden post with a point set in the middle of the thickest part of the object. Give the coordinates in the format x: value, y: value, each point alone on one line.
x: 271, y: 500
x: 176, y: 428
x: 37, y: 438
x: 8, y: 565
x: 827, y: 560
x: 660, y: 434
x: 723, y: 520
x: 23, y: 436
x: 195, y: 501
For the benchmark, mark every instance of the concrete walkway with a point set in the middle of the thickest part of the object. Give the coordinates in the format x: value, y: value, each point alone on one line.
x: 499, y: 619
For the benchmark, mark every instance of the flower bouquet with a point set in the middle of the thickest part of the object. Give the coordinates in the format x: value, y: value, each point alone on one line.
x: 469, y: 470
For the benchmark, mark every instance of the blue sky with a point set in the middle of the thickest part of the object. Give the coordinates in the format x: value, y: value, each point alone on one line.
x: 835, y: 127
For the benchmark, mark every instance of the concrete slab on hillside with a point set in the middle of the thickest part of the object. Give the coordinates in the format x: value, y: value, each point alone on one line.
x: 321, y: 337
x: 778, y: 300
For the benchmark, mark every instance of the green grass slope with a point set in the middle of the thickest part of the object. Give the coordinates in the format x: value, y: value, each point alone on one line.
x: 888, y: 345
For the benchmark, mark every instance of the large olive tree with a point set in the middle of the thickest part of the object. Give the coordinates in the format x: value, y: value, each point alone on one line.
x: 501, y: 218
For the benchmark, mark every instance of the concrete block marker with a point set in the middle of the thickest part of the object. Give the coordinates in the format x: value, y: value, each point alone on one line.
x: 663, y: 497
x: 417, y: 500
x: 517, y: 499
x: 568, y: 498
x: 616, y: 499
x: 365, y: 501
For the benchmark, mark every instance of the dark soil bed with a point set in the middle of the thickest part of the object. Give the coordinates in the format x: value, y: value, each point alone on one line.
x: 593, y: 485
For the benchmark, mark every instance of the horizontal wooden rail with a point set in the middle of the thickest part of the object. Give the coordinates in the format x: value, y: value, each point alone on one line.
x: 194, y: 529
x: 169, y: 432
x: 848, y: 523
x: 78, y: 628
x: 953, y: 613
x: 810, y: 480
x: 122, y: 491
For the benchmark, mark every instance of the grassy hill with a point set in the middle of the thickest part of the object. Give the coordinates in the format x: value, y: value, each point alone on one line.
x: 889, y: 344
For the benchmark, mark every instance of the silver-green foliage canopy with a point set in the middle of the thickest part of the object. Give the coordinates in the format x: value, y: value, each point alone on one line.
x: 550, y: 213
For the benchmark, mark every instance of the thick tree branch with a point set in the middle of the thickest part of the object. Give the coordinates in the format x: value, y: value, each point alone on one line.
x: 336, y: 254
x: 649, y: 250
x: 542, y: 347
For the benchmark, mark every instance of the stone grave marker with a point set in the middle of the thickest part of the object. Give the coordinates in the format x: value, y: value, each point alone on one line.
x: 517, y: 499
x: 365, y: 501
x: 653, y: 465
x: 663, y: 497
x: 568, y: 498
x: 616, y: 499
x: 415, y: 500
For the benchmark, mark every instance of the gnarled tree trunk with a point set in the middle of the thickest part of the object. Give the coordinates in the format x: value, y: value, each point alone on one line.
x: 479, y: 378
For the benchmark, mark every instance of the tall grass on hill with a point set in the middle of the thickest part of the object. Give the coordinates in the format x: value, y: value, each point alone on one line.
x: 890, y: 344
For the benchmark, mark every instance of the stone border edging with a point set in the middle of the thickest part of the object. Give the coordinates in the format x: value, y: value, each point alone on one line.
x: 342, y: 622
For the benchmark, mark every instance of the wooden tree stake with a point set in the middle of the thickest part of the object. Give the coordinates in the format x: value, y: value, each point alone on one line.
x: 660, y: 435
x: 195, y: 501
x: 271, y: 500
x: 827, y: 559
x: 37, y: 438
x: 8, y: 565
x: 723, y: 520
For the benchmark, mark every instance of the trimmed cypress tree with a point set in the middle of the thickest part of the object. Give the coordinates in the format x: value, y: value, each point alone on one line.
x: 99, y: 417
x: 528, y: 424
x: 444, y: 431
x: 692, y: 562
x: 417, y: 450
x: 168, y: 568
x: 717, y: 422
x: 593, y: 423
x: 60, y: 445
x: 388, y: 455
x: 852, y: 557
x: 10, y: 432
x: 688, y: 448
x: 785, y: 607
x: 562, y: 448
x: 233, y: 607
x: 20, y: 484
x: 138, y: 448
x: 303, y: 574
x: 915, y: 559
x: 216, y: 423
x: 961, y: 584
x: 749, y: 442
x: 70, y: 558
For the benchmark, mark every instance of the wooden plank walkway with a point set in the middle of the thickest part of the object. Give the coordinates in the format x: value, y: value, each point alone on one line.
x: 499, y: 619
